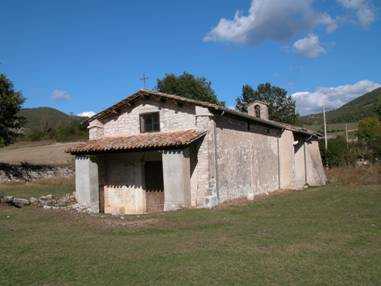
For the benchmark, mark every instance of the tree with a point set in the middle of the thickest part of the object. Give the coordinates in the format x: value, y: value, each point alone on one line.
x: 368, y: 129
x: 369, y: 135
x: 187, y: 85
x: 10, y: 105
x: 281, y: 105
x: 337, y: 155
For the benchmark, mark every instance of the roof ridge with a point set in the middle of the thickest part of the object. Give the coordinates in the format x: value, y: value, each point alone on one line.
x: 144, y: 91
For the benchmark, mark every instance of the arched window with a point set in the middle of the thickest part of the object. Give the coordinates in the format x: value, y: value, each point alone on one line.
x: 257, y: 109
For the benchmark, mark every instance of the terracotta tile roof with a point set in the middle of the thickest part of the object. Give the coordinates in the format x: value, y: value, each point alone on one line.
x: 157, y: 140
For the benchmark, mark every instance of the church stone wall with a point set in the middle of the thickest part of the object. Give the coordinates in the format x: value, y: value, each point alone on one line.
x: 203, y: 177
x: 235, y: 159
x: 247, y: 159
x: 172, y: 117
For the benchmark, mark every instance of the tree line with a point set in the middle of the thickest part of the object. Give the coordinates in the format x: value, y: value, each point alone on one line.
x: 281, y: 105
x: 70, y: 130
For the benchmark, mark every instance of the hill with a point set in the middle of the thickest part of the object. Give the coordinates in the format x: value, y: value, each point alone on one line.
x: 366, y: 105
x: 49, y: 123
x: 43, y: 117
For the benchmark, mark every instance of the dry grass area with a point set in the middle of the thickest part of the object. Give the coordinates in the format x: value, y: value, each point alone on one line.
x: 36, y: 153
x: 364, y: 175
x: 319, y: 236
x: 22, y: 144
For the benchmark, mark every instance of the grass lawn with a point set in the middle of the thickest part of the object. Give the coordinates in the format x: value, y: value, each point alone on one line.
x: 320, y: 236
x: 36, y: 189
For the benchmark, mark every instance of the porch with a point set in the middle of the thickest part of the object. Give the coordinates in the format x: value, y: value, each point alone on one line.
x: 135, y: 181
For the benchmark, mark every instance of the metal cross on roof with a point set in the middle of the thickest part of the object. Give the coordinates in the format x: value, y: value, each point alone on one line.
x: 144, y: 78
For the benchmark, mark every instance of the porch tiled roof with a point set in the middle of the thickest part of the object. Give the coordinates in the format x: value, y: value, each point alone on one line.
x: 157, y: 140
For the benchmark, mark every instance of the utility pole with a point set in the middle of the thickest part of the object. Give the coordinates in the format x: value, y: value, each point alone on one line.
x: 144, y: 78
x: 346, y: 133
x: 325, y: 137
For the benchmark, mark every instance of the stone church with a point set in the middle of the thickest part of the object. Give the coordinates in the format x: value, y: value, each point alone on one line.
x: 156, y: 152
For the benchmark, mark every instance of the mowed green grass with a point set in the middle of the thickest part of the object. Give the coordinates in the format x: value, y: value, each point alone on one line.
x: 36, y: 189
x: 321, y: 236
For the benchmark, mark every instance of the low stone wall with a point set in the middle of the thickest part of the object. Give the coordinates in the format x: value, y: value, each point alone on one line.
x: 27, y: 173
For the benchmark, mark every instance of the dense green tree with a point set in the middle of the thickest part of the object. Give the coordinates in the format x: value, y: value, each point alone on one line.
x: 281, y: 105
x: 187, y: 85
x: 10, y: 105
x: 338, y: 154
x: 368, y: 129
x: 369, y: 135
x: 375, y: 146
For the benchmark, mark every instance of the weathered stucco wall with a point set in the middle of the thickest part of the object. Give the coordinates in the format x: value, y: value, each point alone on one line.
x: 300, y: 167
x: 176, y: 172
x: 308, y: 164
x: 86, y: 182
x: 172, y: 117
x: 286, y: 160
x: 247, y: 161
x: 315, y: 170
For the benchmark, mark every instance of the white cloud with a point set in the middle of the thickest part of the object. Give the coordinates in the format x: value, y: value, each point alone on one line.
x: 60, y: 95
x: 309, y: 47
x: 362, y: 9
x: 86, y: 114
x: 278, y: 20
x: 308, y: 102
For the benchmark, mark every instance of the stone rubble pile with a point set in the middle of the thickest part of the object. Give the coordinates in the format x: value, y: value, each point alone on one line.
x: 66, y: 202
x: 47, y: 201
x: 83, y: 209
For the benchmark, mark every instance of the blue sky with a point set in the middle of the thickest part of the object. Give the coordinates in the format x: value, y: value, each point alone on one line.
x: 85, y: 55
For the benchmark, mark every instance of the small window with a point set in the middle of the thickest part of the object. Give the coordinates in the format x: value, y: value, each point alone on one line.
x: 149, y: 122
x: 257, y: 111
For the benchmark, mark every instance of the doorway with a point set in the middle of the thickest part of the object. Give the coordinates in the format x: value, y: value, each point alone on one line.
x: 102, y: 199
x: 154, y: 186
